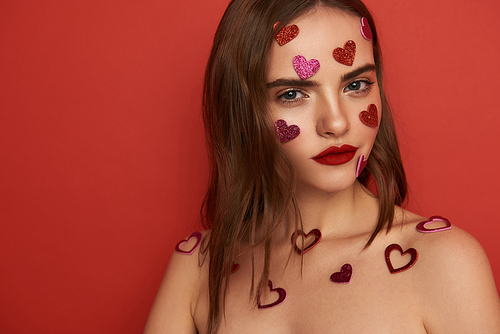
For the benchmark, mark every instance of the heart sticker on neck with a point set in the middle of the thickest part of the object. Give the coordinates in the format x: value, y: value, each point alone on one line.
x: 361, y: 165
x: 285, y: 132
x: 196, y: 235
x: 421, y: 226
x: 234, y: 267
x: 369, y: 117
x: 345, y: 55
x: 365, y: 29
x: 343, y: 276
x: 313, y: 233
x: 281, y: 296
x: 411, y: 251
x: 305, y: 69
x: 286, y: 34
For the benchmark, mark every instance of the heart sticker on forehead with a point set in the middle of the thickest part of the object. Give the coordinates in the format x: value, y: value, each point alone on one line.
x: 369, y: 117
x: 286, y: 34
x: 305, y: 69
x: 365, y: 29
x: 285, y: 132
x: 345, y: 55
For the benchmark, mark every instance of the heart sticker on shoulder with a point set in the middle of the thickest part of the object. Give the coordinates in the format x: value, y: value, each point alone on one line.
x: 196, y: 235
x: 412, y: 251
x: 421, y: 226
x: 281, y: 297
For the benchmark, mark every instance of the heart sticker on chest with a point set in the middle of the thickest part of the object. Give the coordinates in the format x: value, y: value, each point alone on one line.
x: 369, y: 117
x: 390, y: 248
x: 286, y: 34
x: 196, y: 235
x: 313, y: 233
x: 343, y: 276
x: 305, y: 69
x: 421, y: 226
x: 345, y: 55
x: 281, y: 296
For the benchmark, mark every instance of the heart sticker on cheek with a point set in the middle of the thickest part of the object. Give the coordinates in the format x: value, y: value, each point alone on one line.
x: 305, y: 69
x: 317, y: 237
x: 369, y: 117
x: 361, y: 165
x: 421, y: 226
x: 285, y: 132
x: 196, y: 235
x: 345, y: 55
x: 343, y: 276
x: 281, y: 297
x: 286, y: 34
x: 365, y: 29
x: 411, y: 251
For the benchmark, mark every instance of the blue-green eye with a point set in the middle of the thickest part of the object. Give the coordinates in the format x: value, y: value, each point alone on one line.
x: 359, y: 86
x: 292, y: 95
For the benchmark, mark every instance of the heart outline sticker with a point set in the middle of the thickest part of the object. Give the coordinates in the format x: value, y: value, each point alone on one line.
x: 412, y: 251
x: 281, y: 296
x: 196, y: 235
x: 295, y: 236
x: 369, y: 117
x: 286, y: 34
x: 285, y: 132
x: 346, y: 54
x: 421, y: 226
x: 305, y: 68
x: 343, y: 276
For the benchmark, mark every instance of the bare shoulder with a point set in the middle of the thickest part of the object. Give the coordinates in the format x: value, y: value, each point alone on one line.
x: 453, y: 278
x: 172, y: 310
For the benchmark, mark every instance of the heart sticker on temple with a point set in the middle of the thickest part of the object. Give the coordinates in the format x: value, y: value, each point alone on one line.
x: 411, y: 251
x: 286, y: 34
x: 281, y: 297
x: 313, y: 233
x: 365, y: 29
x: 285, y: 132
x: 345, y: 55
x: 196, y: 235
x: 343, y: 276
x: 421, y: 226
x: 369, y: 117
x: 305, y: 69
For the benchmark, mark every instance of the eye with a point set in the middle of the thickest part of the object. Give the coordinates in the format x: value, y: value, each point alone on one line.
x: 291, y: 96
x: 360, y: 86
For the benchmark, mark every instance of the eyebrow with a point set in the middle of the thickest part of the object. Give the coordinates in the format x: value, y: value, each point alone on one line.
x: 351, y: 75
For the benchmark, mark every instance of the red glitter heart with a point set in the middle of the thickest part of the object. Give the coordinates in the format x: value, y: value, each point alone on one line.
x: 370, y: 117
x: 196, y: 235
x: 281, y: 296
x: 421, y: 226
x: 286, y: 34
x: 317, y: 237
x: 343, y: 276
x: 285, y: 132
x: 345, y: 55
x: 390, y: 248
x: 365, y: 29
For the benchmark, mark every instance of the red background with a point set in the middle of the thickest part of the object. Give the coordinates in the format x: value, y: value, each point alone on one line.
x: 103, y: 165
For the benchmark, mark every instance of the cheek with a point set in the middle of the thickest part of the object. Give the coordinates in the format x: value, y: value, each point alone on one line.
x: 369, y: 117
x: 286, y: 132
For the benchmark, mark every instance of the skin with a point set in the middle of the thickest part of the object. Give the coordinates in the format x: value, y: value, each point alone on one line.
x: 450, y: 289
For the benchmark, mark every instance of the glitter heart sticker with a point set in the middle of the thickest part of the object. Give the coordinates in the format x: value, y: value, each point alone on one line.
x: 345, y: 55
x: 343, y: 276
x: 365, y: 29
x: 305, y: 69
x: 361, y: 165
x: 313, y: 233
x: 412, y: 251
x: 281, y: 297
x: 286, y: 34
x: 234, y: 267
x: 196, y: 235
x: 369, y: 117
x: 285, y: 132
x: 421, y: 226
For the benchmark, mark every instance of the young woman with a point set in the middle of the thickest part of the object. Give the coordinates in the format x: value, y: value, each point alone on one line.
x: 298, y: 131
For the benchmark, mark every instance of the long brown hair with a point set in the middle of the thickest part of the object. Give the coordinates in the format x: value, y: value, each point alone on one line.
x: 251, y: 185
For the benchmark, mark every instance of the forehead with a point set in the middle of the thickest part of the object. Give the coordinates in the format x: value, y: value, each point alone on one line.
x: 320, y: 31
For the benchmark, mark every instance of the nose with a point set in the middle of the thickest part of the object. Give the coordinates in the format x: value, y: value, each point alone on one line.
x: 332, y: 117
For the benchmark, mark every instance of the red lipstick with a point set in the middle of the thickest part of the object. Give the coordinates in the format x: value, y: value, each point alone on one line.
x: 336, y: 155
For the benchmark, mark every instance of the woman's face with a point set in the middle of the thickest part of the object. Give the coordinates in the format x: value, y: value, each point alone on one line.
x: 334, y: 105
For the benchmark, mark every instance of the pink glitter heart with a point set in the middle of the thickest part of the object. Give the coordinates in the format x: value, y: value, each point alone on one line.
x: 281, y: 297
x: 305, y: 69
x: 343, y: 276
x: 361, y: 165
x: 285, y: 132
x: 317, y: 237
x: 196, y: 235
x: 365, y: 29
x: 390, y: 248
x: 421, y: 226
x: 370, y: 117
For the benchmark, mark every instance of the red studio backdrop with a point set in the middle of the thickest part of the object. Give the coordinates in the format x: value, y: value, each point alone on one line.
x: 102, y: 157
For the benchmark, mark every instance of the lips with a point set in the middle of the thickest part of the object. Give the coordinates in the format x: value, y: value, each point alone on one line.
x: 336, y: 155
